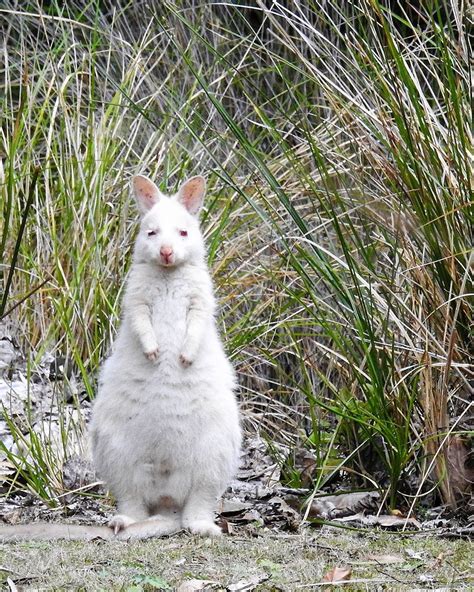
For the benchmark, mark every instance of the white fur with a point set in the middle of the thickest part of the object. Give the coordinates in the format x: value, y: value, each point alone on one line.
x: 165, y: 427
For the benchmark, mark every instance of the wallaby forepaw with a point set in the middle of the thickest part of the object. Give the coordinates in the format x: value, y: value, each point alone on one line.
x: 204, y: 528
x: 185, y: 360
x: 120, y: 522
x: 152, y: 355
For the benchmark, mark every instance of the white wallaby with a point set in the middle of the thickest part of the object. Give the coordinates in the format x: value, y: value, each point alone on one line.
x: 165, y: 425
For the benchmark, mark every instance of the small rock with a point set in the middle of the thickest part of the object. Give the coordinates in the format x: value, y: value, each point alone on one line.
x: 8, y: 354
x: 233, y: 506
x: 13, y: 517
x: 248, y: 584
x: 77, y: 473
x: 345, y: 504
x: 13, y: 396
x: 60, y: 368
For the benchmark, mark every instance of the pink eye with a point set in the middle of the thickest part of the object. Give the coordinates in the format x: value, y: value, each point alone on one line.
x: 151, y: 232
x: 183, y: 232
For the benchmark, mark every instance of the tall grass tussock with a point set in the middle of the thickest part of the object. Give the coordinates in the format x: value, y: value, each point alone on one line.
x: 337, y: 141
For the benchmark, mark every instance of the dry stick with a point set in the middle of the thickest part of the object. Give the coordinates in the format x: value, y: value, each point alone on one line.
x: 17, y: 304
x: 16, y: 250
x: 343, y: 583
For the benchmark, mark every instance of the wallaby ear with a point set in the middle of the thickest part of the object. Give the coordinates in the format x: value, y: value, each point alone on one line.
x: 191, y: 194
x: 146, y: 192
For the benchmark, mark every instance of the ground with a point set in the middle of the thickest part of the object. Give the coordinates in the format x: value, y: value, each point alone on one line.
x: 263, y: 562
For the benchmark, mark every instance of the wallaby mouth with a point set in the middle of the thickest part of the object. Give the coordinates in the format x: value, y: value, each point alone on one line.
x: 167, y: 260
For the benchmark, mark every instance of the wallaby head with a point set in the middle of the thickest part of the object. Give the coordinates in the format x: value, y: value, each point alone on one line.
x: 169, y: 232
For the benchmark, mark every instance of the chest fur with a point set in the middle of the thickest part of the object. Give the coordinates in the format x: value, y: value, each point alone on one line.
x: 169, y: 307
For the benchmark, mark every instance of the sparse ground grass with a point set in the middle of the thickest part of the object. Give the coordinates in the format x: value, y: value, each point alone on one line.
x: 381, y: 561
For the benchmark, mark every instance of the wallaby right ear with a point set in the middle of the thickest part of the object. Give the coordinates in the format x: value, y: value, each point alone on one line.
x: 146, y: 193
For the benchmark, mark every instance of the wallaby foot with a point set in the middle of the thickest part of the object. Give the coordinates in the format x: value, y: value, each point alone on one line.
x: 198, y: 514
x: 129, y: 512
x: 152, y: 355
x: 203, y: 528
x: 185, y: 361
x: 155, y: 526
x: 120, y: 522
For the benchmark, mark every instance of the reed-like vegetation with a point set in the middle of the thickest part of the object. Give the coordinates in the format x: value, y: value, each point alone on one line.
x: 337, y: 142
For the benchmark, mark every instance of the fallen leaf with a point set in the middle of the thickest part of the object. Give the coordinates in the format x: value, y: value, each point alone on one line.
x: 257, y: 463
x: 154, y: 582
x: 440, y: 559
x: 280, y: 509
x: 338, y: 574
x: 460, y: 466
x: 269, y: 566
x: 196, y: 585
x: 386, y: 559
x: 247, y: 585
x: 417, y: 555
x: 383, y: 520
x: 305, y: 464
x: 180, y: 561
x: 226, y: 526
x: 387, y: 521
x: 79, y: 472
x: 6, y: 467
x: 12, y: 517
x: 250, y: 516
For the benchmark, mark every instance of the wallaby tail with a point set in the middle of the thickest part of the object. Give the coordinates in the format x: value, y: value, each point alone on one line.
x: 46, y: 531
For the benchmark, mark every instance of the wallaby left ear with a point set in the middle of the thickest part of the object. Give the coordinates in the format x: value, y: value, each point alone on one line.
x: 191, y: 194
x: 146, y: 192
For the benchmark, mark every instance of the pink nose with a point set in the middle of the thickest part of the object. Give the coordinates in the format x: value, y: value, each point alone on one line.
x: 166, y: 253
